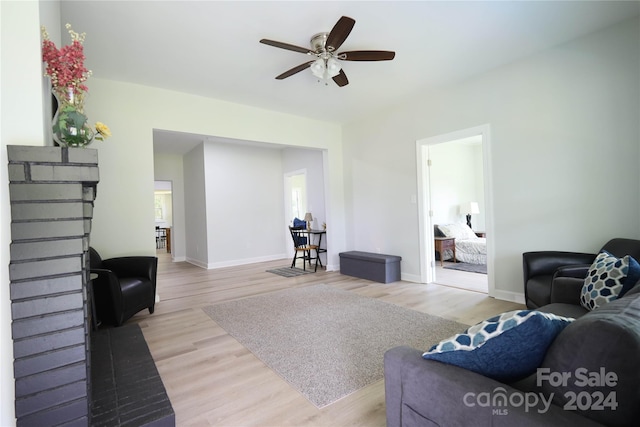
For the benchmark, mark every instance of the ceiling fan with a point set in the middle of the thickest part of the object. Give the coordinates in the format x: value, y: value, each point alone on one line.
x: 324, y: 46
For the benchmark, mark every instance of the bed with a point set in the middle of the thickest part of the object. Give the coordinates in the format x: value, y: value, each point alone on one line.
x: 469, y: 247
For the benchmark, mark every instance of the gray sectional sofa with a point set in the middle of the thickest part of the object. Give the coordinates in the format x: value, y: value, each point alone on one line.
x: 599, y: 352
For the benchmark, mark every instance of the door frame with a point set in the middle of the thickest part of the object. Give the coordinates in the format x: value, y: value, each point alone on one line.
x: 425, y: 223
x: 287, y: 205
x: 156, y: 184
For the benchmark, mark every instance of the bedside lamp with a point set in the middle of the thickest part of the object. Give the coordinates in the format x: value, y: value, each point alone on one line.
x: 470, y: 208
x: 308, y: 218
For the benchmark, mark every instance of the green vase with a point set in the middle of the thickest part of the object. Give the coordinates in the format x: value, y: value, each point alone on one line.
x: 69, y: 125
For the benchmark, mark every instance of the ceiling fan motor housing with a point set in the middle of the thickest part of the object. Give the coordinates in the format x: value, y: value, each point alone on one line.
x: 319, y: 42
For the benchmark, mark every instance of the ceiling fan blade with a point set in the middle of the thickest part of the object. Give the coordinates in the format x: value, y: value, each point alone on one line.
x: 367, y: 55
x: 287, y: 46
x: 294, y: 70
x: 339, y: 33
x: 341, y: 79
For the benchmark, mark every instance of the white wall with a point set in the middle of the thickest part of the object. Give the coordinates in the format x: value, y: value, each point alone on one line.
x: 455, y: 179
x: 245, y: 206
x: 195, y: 207
x: 21, y: 123
x: 564, y: 154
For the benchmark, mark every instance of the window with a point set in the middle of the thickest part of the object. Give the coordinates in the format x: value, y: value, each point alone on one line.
x: 158, y: 206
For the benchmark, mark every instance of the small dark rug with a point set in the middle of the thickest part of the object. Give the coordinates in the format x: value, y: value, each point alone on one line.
x: 289, y: 272
x: 471, y: 268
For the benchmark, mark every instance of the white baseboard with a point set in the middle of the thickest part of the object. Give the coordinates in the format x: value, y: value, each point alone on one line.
x: 235, y: 262
x: 196, y: 262
x: 410, y: 277
x: 333, y: 267
x: 511, y: 296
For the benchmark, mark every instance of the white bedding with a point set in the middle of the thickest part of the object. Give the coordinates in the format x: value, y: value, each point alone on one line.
x: 469, y: 247
x: 473, y: 251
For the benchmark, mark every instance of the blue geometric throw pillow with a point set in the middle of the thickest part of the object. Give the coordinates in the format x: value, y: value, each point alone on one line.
x: 609, y: 278
x: 507, y: 347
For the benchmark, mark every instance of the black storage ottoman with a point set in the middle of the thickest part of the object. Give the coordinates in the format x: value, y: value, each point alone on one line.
x: 366, y: 265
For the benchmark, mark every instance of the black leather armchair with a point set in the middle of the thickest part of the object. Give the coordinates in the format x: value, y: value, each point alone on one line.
x: 557, y: 277
x: 124, y: 286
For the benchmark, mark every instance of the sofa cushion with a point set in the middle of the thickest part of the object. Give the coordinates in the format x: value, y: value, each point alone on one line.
x: 604, y: 341
x: 537, y: 290
x: 633, y: 291
x: 564, y: 309
x: 609, y: 277
x: 506, y: 347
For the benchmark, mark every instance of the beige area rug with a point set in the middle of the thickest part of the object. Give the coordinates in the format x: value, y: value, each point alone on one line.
x: 326, y: 342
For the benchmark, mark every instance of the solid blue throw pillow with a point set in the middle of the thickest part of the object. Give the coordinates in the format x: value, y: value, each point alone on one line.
x: 632, y: 276
x: 299, y: 223
x: 507, y: 347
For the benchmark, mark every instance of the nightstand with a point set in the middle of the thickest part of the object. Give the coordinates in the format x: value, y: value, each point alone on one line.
x: 444, y: 243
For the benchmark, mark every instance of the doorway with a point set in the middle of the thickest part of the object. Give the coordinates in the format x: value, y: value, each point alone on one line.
x: 442, y: 191
x: 295, y: 201
x: 163, y: 204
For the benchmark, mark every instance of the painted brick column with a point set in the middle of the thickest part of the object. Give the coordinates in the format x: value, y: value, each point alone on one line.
x: 51, y: 190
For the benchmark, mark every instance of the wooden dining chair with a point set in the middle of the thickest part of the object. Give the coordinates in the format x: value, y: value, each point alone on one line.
x: 301, y: 244
x: 161, y: 237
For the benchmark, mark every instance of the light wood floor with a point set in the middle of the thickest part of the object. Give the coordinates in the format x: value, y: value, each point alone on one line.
x: 461, y: 279
x: 212, y: 380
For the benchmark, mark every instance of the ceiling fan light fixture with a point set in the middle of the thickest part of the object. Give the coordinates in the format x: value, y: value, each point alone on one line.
x: 318, y: 68
x: 333, y: 67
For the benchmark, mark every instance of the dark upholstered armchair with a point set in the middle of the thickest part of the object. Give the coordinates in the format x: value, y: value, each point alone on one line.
x: 124, y: 286
x: 557, y: 277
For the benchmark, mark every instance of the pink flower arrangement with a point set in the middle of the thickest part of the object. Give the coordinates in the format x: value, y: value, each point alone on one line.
x: 65, y: 66
x: 66, y: 69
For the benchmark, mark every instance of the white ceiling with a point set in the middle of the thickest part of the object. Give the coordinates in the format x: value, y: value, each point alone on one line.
x: 212, y: 49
